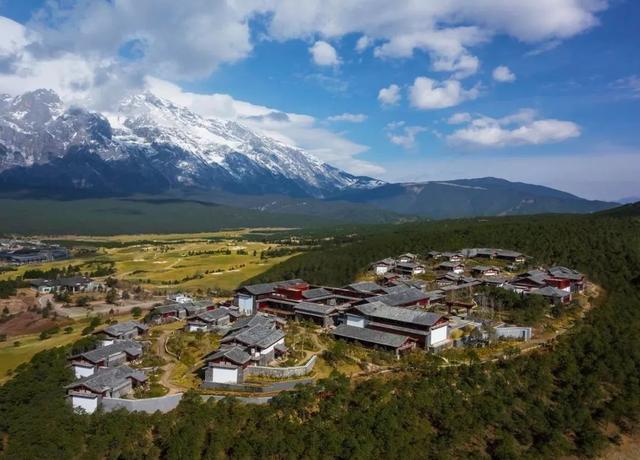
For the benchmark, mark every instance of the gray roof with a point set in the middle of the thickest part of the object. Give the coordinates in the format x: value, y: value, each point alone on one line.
x: 409, y: 265
x: 212, y: 315
x: 550, y: 291
x: 233, y: 354
x: 118, y: 329
x: 396, y: 288
x: 316, y: 293
x: 108, y: 378
x: 99, y: 354
x: 316, y: 308
x: 451, y: 264
x: 408, y: 295
x: 370, y: 336
x: 508, y: 253
x: 256, y: 336
x: 484, y: 268
x: 457, y: 287
x: 251, y: 321
x: 566, y: 273
x: 266, y: 288
x: 381, y: 311
x: 364, y: 286
x: 386, y: 261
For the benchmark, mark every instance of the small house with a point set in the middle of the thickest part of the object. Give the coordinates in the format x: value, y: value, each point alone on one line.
x: 120, y: 352
x: 122, y: 331
x: 87, y: 393
x: 396, y: 343
x: 409, y: 268
x: 453, y: 267
x: 485, y: 270
x: 383, y: 266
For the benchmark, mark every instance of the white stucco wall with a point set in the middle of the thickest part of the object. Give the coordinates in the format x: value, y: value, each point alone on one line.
x: 195, y: 328
x: 268, y: 350
x: 224, y: 375
x: 355, y: 320
x: 87, y: 404
x: 245, y: 304
x: 82, y: 371
x: 381, y: 269
x: 438, y: 335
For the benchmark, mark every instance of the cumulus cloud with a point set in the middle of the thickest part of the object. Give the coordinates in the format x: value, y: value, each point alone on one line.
x: 349, y: 117
x: 520, y: 128
x: 445, y: 30
x: 389, y: 95
x: 458, y: 118
x: 296, y: 129
x: 426, y: 93
x: 324, y: 54
x: 363, y: 43
x: 503, y: 74
x: 404, y: 136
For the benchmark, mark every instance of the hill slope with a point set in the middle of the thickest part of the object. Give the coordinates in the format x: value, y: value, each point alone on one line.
x: 472, y: 197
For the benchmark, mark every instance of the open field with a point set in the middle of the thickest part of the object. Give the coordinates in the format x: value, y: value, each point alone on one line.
x: 172, y: 262
x: 113, y: 216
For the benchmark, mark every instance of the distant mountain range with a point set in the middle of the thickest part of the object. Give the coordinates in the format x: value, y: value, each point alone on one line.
x: 151, y: 146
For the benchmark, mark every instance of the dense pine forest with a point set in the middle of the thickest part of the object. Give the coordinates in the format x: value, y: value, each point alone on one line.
x: 573, y: 398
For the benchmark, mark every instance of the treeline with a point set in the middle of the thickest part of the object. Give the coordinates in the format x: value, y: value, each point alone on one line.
x: 571, y: 399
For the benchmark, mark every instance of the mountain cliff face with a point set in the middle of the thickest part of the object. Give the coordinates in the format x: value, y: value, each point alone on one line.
x: 150, y: 145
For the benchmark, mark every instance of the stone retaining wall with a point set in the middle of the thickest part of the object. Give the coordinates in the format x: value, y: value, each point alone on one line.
x: 266, y: 388
x: 149, y: 405
x: 281, y: 372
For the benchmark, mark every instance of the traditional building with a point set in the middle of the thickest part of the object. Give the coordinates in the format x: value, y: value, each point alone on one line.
x: 122, y: 331
x: 120, y: 352
x: 86, y: 394
x: 428, y: 329
x: 396, y: 343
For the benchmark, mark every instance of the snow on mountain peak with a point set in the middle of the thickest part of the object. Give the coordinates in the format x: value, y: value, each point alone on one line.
x: 183, y: 146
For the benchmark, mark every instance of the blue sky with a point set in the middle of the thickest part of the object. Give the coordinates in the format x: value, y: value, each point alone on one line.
x: 542, y: 91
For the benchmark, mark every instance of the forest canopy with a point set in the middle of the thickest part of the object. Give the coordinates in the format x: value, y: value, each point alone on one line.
x: 552, y: 403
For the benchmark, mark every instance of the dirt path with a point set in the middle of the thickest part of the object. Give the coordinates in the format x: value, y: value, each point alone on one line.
x: 167, y: 369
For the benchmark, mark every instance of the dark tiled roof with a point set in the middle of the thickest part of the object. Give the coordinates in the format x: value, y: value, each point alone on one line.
x: 550, y: 291
x: 128, y: 346
x: 266, y: 288
x: 364, y: 286
x: 370, y: 336
x: 316, y: 308
x: 119, y: 329
x: 256, y: 336
x: 403, y: 297
x: 212, y: 315
x: 316, y: 293
x: 566, y: 273
x: 381, y: 311
x: 234, y: 354
x: 107, y: 378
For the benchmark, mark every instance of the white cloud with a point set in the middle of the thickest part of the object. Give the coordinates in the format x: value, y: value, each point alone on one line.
x: 630, y: 86
x: 426, y: 93
x: 404, y: 136
x: 363, y: 43
x: 503, y: 74
x: 446, y: 30
x: 182, y: 40
x: 520, y: 128
x: 389, y: 95
x: 349, y: 117
x: 324, y: 54
x: 292, y: 128
x: 458, y: 118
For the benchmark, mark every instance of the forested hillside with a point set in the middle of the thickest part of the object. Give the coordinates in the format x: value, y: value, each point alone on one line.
x: 570, y: 399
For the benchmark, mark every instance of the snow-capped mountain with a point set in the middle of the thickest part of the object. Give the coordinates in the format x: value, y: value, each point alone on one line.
x: 150, y: 145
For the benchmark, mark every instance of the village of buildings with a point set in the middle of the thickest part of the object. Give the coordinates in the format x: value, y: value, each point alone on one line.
x: 428, y: 303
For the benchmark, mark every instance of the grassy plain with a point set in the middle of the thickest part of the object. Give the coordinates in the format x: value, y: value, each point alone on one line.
x: 188, y: 262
